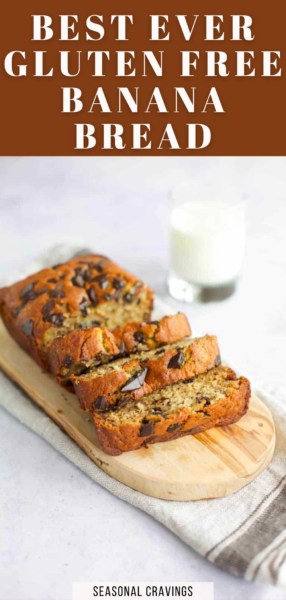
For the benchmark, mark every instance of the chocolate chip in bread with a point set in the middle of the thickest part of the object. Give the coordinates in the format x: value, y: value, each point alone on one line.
x: 69, y: 296
x: 146, y: 372
x: 80, y: 350
x: 216, y: 398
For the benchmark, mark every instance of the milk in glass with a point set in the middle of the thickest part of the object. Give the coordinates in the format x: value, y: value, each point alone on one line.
x: 207, y: 240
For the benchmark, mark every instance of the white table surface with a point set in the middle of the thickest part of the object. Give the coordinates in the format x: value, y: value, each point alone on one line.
x: 57, y: 526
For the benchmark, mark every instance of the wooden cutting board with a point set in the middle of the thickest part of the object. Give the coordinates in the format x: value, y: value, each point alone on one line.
x: 209, y: 465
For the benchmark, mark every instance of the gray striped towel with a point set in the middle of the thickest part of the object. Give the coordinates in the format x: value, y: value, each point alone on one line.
x: 244, y: 534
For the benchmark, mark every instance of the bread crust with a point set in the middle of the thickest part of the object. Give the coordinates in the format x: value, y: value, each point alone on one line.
x: 82, y: 291
x: 160, y: 370
x: 79, y: 349
x: 115, y: 440
x: 169, y: 329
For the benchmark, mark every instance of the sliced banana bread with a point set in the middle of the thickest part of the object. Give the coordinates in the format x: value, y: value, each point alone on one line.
x: 79, y: 350
x: 146, y: 372
x: 137, y: 337
x: 86, y: 291
x: 216, y: 398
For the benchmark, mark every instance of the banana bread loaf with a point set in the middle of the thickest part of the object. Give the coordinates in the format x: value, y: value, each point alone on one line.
x: 216, y: 398
x: 86, y: 291
x: 79, y: 350
x: 146, y: 372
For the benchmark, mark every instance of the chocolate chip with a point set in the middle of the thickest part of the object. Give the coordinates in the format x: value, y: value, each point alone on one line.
x: 78, y: 281
x: 203, y: 412
x: 80, y: 271
x: 83, y: 305
x: 173, y: 427
x: 102, y: 281
x: 118, y: 283
x: 98, y: 267
x: 28, y: 327
x: 29, y: 293
x: 47, y: 309
x: 157, y: 410
x: 37, y: 293
x: 58, y: 292
x: 87, y: 276
x: 218, y: 360
x: 28, y: 289
x: 92, y: 296
x: 128, y: 298
x: 67, y: 361
x: 100, y: 404
x: 176, y: 361
x: 189, y: 380
x: 83, y: 273
x: 16, y: 311
x: 139, y: 336
x: 95, y: 323
x: 56, y: 319
x: 154, y: 322
x: 147, y: 428
x: 107, y: 297
x: 207, y: 401
x: 135, y: 382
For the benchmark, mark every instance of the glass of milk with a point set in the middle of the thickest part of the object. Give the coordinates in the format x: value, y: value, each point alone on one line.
x: 207, y: 231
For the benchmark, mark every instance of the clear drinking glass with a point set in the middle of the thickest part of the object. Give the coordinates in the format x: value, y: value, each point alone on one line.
x: 207, y: 231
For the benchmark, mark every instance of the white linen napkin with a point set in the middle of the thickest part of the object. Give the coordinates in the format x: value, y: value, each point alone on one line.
x: 244, y: 534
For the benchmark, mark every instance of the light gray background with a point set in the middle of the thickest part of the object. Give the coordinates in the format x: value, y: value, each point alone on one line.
x: 57, y: 526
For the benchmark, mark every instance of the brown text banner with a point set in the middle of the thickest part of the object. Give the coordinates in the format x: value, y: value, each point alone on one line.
x: 152, y: 78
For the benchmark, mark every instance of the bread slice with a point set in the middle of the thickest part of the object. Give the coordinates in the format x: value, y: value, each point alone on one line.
x: 138, y: 337
x: 86, y: 291
x: 80, y: 350
x: 146, y: 372
x: 214, y: 399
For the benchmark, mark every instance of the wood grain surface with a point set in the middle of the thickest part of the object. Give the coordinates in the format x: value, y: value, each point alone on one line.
x: 212, y: 464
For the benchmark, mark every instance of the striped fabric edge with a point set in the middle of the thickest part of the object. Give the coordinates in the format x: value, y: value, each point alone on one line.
x: 256, y: 549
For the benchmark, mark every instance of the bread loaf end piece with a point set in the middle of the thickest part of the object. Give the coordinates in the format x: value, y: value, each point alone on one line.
x: 214, y: 399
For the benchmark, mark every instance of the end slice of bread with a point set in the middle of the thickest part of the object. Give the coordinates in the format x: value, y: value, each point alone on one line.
x: 214, y: 399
